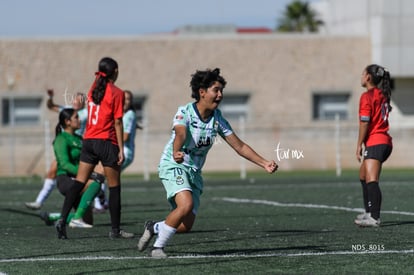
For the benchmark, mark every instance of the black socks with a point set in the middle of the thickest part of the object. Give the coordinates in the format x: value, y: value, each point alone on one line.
x: 71, y: 198
x: 374, y: 199
x: 365, y: 195
x: 115, y: 207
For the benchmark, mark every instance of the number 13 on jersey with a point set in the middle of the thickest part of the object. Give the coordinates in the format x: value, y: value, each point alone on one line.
x: 93, y: 113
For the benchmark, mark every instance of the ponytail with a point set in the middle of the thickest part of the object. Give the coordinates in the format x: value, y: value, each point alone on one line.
x: 107, y: 70
x: 382, y: 79
x: 98, y: 91
x: 386, y: 88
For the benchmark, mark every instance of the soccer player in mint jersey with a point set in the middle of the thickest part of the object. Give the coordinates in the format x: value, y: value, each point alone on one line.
x: 129, y: 121
x: 374, y: 143
x: 195, y: 128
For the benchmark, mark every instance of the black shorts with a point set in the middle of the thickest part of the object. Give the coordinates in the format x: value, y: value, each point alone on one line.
x: 379, y: 152
x: 95, y: 150
x: 64, y: 183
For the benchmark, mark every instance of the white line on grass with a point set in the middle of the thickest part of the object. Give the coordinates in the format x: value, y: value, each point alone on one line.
x: 201, y: 256
x: 306, y: 205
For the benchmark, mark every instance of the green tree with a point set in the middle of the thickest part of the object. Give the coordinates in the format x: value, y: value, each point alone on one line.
x: 299, y: 17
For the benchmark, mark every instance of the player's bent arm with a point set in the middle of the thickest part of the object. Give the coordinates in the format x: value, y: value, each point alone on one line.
x: 52, y: 106
x: 179, y: 140
x: 363, y: 131
x: 119, y: 130
x: 248, y: 153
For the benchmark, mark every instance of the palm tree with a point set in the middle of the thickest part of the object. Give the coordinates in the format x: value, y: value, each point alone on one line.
x: 299, y: 17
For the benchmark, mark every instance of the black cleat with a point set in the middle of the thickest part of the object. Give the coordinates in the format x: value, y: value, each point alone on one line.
x: 120, y: 234
x: 44, y: 216
x: 61, y: 230
x: 146, y: 236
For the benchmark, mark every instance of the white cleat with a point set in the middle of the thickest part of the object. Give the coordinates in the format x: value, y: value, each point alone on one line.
x: 362, y: 216
x: 79, y: 223
x: 158, y: 253
x: 368, y: 222
x: 33, y: 205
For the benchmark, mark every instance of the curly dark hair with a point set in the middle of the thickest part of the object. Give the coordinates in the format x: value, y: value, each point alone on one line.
x: 204, y: 80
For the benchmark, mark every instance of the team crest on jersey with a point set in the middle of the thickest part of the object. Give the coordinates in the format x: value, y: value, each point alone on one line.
x: 179, y: 180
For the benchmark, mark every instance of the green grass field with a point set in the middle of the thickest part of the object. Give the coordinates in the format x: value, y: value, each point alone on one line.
x: 286, y: 223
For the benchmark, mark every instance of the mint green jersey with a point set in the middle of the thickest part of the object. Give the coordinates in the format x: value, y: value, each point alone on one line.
x: 83, y: 116
x: 129, y: 121
x: 201, y: 135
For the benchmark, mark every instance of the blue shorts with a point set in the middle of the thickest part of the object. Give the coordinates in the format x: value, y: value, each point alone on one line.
x: 177, y: 178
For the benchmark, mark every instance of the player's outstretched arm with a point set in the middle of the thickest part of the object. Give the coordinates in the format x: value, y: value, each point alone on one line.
x: 248, y: 153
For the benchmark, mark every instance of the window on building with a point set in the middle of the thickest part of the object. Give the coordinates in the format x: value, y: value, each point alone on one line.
x: 17, y: 111
x: 326, y: 106
x: 235, y: 106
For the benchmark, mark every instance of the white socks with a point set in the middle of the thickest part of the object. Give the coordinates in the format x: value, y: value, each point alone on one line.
x: 97, y: 201
x: 157, y: 226
x: 48, y: 186
x: 165, y: 233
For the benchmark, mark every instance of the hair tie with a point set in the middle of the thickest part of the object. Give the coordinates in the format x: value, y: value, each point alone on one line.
x: 101, y: 74
x: 380, y: 72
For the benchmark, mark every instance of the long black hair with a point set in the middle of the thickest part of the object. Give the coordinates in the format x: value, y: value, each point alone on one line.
x: 381, y: 78
x: 64, y: 115
x: 204, y: 80
x: 107, y: 70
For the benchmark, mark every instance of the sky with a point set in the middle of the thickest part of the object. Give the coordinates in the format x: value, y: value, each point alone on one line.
x: 55, y: 18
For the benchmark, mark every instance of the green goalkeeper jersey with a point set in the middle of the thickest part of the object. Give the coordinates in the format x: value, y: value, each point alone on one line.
x: 67, y: 149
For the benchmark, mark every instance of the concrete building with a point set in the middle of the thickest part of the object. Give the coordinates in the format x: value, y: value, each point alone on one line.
x: 389, y: 26
x: 283, y: 94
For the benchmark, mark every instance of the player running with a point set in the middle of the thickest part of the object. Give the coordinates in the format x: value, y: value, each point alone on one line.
x: 195, y: 128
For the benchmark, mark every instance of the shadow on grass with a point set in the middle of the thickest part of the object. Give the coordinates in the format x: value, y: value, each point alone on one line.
x: 396, y: 223
x: 32, y: 213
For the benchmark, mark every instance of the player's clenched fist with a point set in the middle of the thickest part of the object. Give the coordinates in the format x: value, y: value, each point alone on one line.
x: 178, y: 156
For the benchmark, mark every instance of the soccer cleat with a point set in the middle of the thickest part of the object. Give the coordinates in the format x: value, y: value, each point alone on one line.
x: 146, y: 236
x: 158, y: 253
x: 79, y: 223
x: 61, y: 230
x: 368, y: 222
x: 120, y: 234
x: 44, y: 216
x: 363, y: 216
x: 33, y: 205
